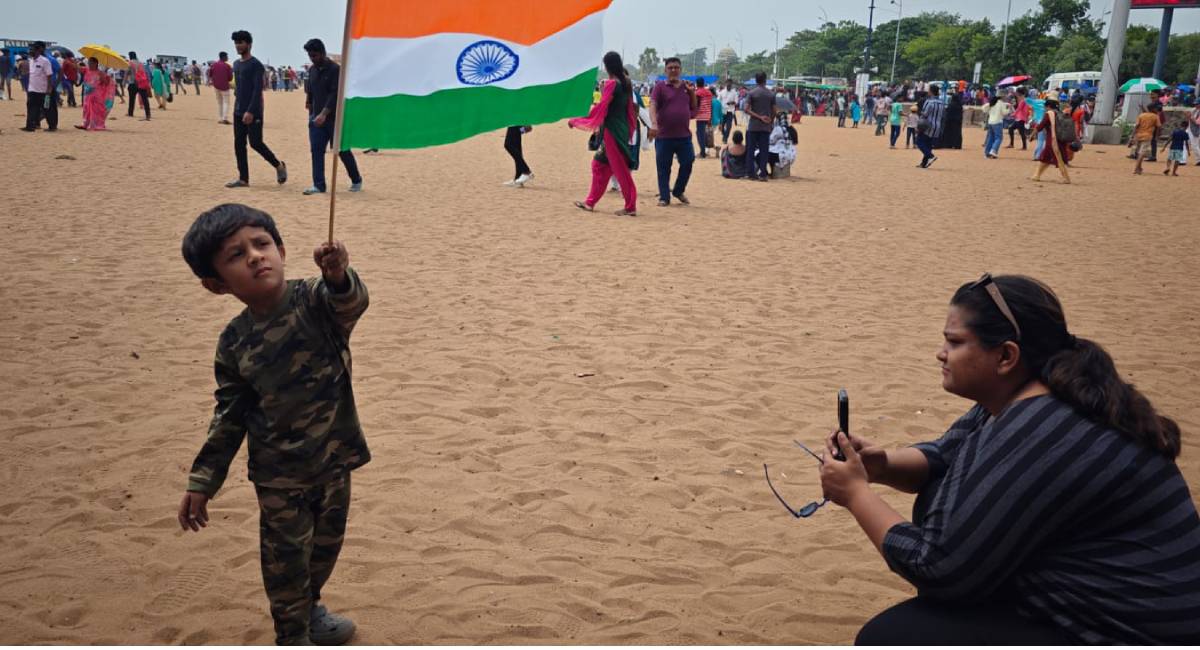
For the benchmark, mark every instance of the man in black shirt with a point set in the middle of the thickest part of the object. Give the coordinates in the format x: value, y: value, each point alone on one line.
x: 248, y: 112
x: 321, y: 102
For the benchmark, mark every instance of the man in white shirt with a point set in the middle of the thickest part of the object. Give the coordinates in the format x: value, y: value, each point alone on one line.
x: 41, y: 78
x: 729, y: 101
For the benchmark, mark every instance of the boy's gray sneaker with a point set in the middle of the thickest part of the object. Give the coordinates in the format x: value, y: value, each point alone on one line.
x: 326, y: 628
x: 356, y: 187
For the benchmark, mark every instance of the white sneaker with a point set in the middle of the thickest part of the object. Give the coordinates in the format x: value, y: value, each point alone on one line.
x: 523, y: 179
x: 511, y: 183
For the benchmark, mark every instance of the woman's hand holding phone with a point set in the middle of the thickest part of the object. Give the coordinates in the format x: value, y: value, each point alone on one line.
x: 874, y: 457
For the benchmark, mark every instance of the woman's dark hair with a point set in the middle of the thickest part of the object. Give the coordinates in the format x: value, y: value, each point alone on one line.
x: 1052, y: 104
x: 203, y: 240
x: 993, y: 100
x: 1077, y: 371
x: 615, y: 67
x: 737, y: 137
x: 92, y: 59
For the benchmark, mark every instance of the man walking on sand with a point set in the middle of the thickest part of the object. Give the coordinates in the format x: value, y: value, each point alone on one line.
x: 248, y: 74
x: 673, y: 104
x: 219, y: 75
x: 321, y: 101
x: 929, y: 127
x: 39, y: 95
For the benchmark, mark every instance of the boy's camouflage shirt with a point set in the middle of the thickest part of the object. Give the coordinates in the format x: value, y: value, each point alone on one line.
x: 284, y: 381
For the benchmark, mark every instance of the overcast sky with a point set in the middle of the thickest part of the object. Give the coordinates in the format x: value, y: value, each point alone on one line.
x: 199, y: 30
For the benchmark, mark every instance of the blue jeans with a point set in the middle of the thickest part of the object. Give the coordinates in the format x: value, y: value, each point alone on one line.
x: 701, y: 137
x: 1037, y: 152
x: 758, y: 149
x: 319, y: 138
x: 925, y: 144
x: 665, y: 150
x: 995, y: 136
x: 895, y: 134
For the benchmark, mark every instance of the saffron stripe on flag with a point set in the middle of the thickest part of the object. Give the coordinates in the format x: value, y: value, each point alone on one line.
x: 410, y: 122
x: 517, y: 21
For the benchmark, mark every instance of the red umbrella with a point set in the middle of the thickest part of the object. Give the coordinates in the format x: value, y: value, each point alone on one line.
x: 1014, y: 80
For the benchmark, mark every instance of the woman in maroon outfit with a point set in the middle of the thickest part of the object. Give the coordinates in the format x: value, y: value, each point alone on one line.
x: 1049, y: 156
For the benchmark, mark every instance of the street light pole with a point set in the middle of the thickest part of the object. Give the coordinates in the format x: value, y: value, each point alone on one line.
x: 1004, y: 43
x: 713, y: 54
x: 775, y: 70
x: 896, y: 48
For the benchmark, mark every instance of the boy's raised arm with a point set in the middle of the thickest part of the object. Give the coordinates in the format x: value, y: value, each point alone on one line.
x: 343, y: 291
x: 226, y: 431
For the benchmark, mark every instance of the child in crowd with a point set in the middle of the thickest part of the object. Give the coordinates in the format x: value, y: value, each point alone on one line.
x: 911, y: 121
x: 1178, y: 154
x: 1143, y: 135
x: 283, y: 382
x: 855, y: 111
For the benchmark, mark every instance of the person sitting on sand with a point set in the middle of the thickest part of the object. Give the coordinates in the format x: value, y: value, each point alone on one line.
x: 299, y: 416
x: 1052, y: 512
x: 733, y: 158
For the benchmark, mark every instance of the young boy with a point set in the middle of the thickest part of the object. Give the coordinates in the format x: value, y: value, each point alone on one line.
x: 1143, y: 135
x: 283, y: 381
x: 1178, y: 154
x: 914, y: 118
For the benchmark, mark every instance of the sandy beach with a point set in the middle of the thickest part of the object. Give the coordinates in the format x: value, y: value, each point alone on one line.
x: 568, y: 412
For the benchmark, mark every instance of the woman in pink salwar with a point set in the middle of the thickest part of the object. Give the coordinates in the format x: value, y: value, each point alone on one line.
x: 98, y: 92
x: 614, y: 120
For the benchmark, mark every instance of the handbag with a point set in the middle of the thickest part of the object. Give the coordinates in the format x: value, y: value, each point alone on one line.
x: 594, y: 141
x: 708, y: 137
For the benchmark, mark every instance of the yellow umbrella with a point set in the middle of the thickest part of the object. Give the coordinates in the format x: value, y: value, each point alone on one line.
x: 105, y: 55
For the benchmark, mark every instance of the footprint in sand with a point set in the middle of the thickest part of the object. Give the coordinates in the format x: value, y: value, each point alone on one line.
x: 182, y: 588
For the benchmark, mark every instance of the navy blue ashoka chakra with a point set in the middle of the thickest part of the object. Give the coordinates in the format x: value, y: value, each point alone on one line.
x: 486, y: 62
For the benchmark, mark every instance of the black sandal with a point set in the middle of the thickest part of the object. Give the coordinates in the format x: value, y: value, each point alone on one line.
x: 583, y: 206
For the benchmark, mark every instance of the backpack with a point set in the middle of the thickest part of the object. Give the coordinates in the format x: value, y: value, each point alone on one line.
x: 140, y: 76
x: 1064, y: 127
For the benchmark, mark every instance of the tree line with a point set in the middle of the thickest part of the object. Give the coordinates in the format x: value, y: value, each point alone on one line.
x: 1058, y: 36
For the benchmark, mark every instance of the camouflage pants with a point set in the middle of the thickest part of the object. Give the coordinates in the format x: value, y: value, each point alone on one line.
x: 300, y: 536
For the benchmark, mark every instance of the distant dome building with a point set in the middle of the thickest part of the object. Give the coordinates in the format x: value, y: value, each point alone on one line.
x: 727, y: 56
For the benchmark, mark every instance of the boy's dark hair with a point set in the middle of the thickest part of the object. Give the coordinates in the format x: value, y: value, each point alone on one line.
x: 132, y: 54
x: 222, y: 55
x: 760, y: 78
x: 672, y: 59
x: 242, y: 36
x: 211, y: 228
x: 314, y: 45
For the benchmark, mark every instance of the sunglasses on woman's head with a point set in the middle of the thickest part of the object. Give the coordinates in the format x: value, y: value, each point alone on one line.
x: 993, y: 290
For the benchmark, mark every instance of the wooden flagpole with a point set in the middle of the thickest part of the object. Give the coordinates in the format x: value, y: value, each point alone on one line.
x: 337, y: 122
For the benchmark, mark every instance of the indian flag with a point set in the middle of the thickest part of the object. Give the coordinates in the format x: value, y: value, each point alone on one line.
x: 421, y: 73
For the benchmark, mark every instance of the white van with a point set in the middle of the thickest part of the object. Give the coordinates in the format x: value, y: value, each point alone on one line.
x: 1087, y: 83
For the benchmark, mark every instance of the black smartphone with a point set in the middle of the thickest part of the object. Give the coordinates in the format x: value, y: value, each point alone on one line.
x: 843, y: 422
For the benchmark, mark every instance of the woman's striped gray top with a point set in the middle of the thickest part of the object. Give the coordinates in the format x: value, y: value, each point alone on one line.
x: 1069, y: 521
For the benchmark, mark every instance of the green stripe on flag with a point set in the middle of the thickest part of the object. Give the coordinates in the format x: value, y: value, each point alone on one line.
x: 410, y: 122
